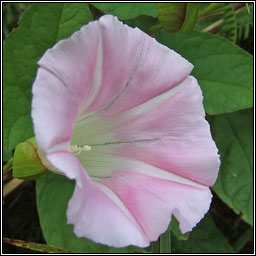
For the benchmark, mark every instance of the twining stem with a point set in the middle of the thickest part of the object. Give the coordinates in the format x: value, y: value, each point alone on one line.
x: 209, y: 8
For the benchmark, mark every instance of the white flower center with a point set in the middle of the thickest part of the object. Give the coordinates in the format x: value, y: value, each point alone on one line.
x: 76, y: 150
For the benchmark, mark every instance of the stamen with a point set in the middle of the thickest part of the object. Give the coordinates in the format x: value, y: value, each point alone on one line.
x: 76, y: 150
x: 86, y: 148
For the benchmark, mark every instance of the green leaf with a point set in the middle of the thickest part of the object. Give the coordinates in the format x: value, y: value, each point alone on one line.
x: 125, y: 11
x: 205, y: 238
x: 53, y: 194
x: 174, y: 226
x: 233, y: 134
x: 223, y: 70
x: 26, y: 161
x: 44, y: 248
x: 40, y: 28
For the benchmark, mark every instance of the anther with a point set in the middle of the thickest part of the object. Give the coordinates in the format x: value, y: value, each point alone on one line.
x: 76, y: 150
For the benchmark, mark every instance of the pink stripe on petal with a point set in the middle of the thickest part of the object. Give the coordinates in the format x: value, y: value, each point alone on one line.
x: 177, y: 116
x: 99, y: 218
x: 101, y: 130
x: 129, y: 75
x: 169, y: 132
x: 152, y: 214
x: 194, y: 160
x: 180, y: 137
x: 137, y: 208
x: 93, y: 212
x: 152, y: 201
x: 121, y: 47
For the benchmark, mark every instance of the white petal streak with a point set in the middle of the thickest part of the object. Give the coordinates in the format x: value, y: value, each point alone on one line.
x: 97, y: 79
x: 97, y: 129
x: 121, y: 205
x: 100, y: 163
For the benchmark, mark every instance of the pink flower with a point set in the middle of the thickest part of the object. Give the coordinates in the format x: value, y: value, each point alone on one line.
x: 118, y: 112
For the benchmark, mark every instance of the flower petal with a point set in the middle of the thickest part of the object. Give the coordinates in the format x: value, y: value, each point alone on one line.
x: 152, y: 201
x: 136, y: 207
x: 99, y: 72
x: 129, y: 73
x: 169, y: 132
x: 133, y: 95
x: 54, y: 112
x: 95, y: 210
x: 68, y: 165
x: 74, y: 61
x: 61, y: 86
x: 103, y: 160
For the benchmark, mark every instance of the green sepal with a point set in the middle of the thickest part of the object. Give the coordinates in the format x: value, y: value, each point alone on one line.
x: 26, y: 161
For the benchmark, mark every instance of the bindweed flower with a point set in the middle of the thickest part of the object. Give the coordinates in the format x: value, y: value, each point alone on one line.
x: 118, y: 112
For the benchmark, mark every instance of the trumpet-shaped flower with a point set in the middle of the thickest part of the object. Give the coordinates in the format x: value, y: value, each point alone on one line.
x: 118, y: 112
